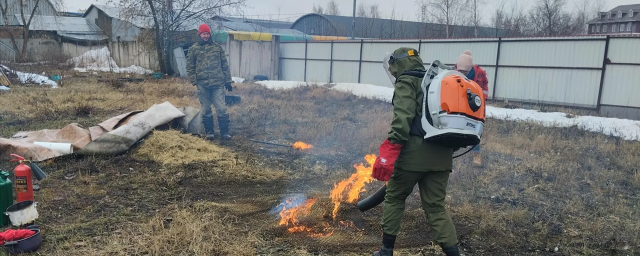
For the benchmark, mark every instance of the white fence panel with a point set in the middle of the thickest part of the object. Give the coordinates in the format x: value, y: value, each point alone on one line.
x: 292, y: 50
x: 621, y: 86
x: 567, y: 87
x: 491, y: 76
x: 484, y: 53
x: 345, y: 72
x: 346, y: 51
x: 318, y: 71
x: 373, y: 73
x: 292, y: 70
x: 624, y: 50
x: 376, y: 51
x: 553, y: 53
x: 319, y: 51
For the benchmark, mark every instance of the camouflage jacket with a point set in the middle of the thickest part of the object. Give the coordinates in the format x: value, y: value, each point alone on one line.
x: 207, y: 64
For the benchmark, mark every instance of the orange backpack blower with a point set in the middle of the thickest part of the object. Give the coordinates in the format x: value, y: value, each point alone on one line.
x: 453, y: 109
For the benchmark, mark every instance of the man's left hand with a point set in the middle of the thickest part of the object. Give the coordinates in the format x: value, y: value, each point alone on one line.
x: 228, y: 86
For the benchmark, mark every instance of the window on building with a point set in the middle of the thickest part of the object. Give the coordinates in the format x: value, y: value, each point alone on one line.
x: 604, y: 28
x: 609, y: 15
x: 619, y: 14
x: 598, y: 28
x: 629, y: 27
x: 630, y: 13
x: 614, y: 28
x: 621, y: 27
x: 593, y: 29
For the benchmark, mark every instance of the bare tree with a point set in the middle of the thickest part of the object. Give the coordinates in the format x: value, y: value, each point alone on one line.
x: 475, y: 17
x: 318, y: 9
x: 26, y: 17
x: 550, y: 19
x: 513, y: 22
x: 446, y: 12
x: 171, y: 16
x: 332, y: 8
x: 368, y: 11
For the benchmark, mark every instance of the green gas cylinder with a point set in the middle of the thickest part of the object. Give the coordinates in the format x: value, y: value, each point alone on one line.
x: 6, y: 197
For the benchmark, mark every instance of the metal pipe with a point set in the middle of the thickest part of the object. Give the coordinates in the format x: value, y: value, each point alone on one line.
x: 353, y: 26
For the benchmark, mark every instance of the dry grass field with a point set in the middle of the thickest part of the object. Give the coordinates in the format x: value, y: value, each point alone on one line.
x: 542, y: 191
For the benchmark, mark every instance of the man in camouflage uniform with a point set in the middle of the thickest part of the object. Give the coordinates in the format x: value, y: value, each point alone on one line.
x: 209, y: 71
x: 406, y: 159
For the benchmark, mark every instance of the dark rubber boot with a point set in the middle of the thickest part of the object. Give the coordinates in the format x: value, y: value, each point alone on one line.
x: 224, y: 122
x: 388, y: 242
x: 451, y: 250
x: 208, y: 128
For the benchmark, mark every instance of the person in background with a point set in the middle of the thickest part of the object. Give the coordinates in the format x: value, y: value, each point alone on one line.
x: 465, y: 66
x: 209, y: 71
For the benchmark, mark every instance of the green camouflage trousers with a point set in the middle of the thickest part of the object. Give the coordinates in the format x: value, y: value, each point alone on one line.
x: 433, y: 190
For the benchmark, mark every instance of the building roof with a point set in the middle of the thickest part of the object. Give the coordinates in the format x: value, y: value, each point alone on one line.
x: 604, y: 17
x: 117, y: 12
x: 250, y: 27
x: 71, y: 27
x: 261, y: 22
x: 393, y: 29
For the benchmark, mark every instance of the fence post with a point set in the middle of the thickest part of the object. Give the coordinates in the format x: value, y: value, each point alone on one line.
x: 306, y: 44
x: 604, y: 68
x: 495, y: 76
x: 360, y: 61
x: 331, y: 64
x: 420, y: 47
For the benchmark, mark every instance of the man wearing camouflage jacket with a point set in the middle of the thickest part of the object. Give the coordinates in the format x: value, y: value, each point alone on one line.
x: 209, y: 71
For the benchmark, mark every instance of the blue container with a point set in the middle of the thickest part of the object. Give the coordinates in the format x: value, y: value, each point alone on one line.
x: 157, y: 75
x: 56, y: 78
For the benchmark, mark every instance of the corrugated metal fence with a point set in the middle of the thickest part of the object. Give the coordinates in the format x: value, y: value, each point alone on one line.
x: 590, y: 72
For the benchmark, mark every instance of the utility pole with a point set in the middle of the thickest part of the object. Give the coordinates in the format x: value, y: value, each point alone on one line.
x: 353, y: 26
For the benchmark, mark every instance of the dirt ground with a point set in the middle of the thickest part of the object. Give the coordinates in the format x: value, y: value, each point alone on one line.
x: 541, y: 191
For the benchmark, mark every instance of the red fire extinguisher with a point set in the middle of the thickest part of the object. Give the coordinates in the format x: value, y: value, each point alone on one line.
x: 24, y: 184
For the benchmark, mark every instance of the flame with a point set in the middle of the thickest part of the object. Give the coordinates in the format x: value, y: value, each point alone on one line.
x: 301, y: 145
x: 348, y: 190
x: 290, y: 216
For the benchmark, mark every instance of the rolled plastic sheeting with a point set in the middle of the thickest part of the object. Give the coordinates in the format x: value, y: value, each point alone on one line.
x: 373, y: 200
x: 64, y: 148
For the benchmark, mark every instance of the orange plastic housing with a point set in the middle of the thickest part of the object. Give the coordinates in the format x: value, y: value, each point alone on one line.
x: 453, y: 96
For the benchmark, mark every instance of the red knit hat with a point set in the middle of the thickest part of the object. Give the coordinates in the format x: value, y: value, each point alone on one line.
x: 204, y: 28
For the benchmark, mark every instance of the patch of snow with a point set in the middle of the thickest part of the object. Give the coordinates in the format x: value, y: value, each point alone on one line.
x: 100, y: 60
x: 238, y: 80
x: 4, y: 88
x: 28, y: 78
x: 281, y: 85
x: 366, y: 90
x: 623, y: 128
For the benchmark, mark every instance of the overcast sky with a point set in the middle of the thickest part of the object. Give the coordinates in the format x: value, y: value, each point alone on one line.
x: 292, y: 9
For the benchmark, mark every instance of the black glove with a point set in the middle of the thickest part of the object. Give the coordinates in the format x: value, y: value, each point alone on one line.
x: 228, y: 86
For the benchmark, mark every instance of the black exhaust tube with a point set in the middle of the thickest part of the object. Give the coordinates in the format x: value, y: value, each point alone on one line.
x: 373, y: 200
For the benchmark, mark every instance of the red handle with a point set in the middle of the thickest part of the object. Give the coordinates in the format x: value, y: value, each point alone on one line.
x: 17, y: 158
